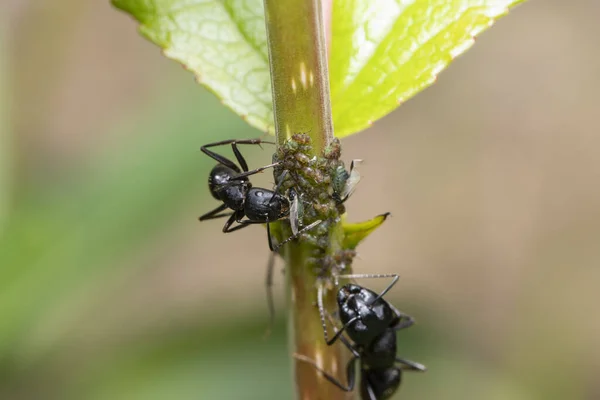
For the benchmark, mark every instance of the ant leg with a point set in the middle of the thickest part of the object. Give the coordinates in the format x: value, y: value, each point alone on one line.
x: 235, y: 217
x: 255, y: 171
x: 219, y: 158
x: 269, y: 288
x: 237, y: 153
x: 215, y: 213
x: 350, y: 372
x: 411, y: 365
x: 370, y: 392
x: 343, y: 338
x: 404, y: 320
x: 230, y: 221
x: 301, y: 231
x: 361, y: 276
x: 240, y: 157
x: 227, y: 162
x: 349, y: 346
x: 270, y: 240
x: 242, y: 224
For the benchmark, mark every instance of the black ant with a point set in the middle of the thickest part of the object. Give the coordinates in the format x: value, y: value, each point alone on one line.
x: 229, y: 184
x: 371, y: 323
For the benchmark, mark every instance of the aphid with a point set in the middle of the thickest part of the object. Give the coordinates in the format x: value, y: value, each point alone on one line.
x: 371, y: 323
x: 344, y: 182
x: 230, y: 184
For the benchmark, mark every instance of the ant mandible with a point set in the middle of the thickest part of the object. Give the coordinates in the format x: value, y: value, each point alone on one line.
x: 229, y: 184
x: 371, y: 323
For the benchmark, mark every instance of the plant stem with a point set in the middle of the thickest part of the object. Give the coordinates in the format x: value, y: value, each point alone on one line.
x: 298, y: 60
x: 300, y: 81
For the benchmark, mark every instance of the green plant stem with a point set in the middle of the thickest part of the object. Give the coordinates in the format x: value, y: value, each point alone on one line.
x: 298, y: 60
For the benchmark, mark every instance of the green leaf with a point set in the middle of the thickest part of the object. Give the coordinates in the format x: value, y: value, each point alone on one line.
x: 223, y: 42
x: 354, y: 233
x: 383, y: 51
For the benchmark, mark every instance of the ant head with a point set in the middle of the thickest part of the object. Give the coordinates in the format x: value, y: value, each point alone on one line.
x: 347, y: 292
x: 278, y: 206
x: 283, y: 205
x: 382, y: 383
x: 356, y: 301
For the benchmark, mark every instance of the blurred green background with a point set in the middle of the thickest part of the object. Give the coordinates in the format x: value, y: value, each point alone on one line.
x: 111, y: 289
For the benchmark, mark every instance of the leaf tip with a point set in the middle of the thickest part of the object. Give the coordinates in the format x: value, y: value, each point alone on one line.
x: 354, y: 233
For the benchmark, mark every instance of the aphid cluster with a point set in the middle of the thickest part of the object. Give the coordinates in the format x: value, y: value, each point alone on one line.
x: 323, y: 185
x: 323, y: 179
x: 308, y: 197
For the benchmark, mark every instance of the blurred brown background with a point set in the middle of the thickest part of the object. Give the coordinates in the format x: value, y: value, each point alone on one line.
x: 111, y: 289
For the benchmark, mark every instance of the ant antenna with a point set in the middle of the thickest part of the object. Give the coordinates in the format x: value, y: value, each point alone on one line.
x: 301, y: 231
x: 322, y: 311
x: 255, y: 171
x: 364, y: 276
